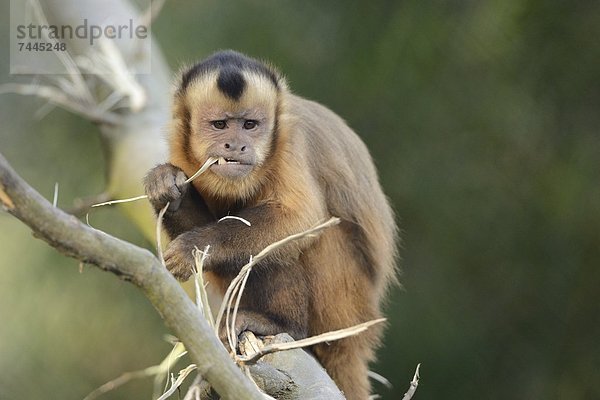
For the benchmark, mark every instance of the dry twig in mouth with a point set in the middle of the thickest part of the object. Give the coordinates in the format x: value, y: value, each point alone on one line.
x: 203, y: 168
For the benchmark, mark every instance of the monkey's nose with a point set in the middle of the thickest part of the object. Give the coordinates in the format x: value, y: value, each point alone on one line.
x: 234, y: 147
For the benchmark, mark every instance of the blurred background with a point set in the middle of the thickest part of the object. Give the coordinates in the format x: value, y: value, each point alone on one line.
x: 483, y: 119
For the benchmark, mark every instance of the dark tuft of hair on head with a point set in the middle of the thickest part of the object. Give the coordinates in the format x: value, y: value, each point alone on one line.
x: 231, y: 82
x: 230, y: 64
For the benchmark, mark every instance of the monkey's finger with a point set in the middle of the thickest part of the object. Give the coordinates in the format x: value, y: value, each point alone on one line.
x: 169, y: 192
x: 160, y: 185
x: 180, y: 182
x: 172, y: 191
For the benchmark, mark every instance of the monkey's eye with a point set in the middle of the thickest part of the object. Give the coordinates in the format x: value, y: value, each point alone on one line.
x: 220, y: 124
x: 250, y: 124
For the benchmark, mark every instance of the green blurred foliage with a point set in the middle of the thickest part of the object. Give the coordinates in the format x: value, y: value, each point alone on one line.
x: 482, y: 117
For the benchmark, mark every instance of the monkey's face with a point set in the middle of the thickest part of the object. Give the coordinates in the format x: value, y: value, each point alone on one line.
x: 238, y: 132
x: 237, y: 138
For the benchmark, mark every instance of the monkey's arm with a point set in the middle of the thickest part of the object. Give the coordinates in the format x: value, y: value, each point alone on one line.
x: 276, y: 299
x: 233, y: 242
x: 187, y: 209
x: 277, y: 290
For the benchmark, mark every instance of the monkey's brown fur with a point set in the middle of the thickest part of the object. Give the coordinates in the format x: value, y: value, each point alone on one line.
x: 306, y: 165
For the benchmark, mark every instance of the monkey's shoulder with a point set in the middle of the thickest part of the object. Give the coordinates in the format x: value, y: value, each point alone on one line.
x: 329, y: 138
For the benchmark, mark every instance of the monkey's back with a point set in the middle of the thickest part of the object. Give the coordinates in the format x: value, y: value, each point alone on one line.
x: 347, y: 175
x: 351, y: 265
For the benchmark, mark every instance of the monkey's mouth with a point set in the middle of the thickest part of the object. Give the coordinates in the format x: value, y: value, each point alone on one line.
x: 232, y: 168
x: 229, y: 161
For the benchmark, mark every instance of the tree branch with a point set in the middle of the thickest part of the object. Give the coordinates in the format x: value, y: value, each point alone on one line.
x: 134, y: 264
x: 291, y: 374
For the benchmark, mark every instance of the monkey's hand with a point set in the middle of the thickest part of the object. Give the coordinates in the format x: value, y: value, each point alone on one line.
x: 179, y: 258
x: 166, y: 183
x: 187, y: 209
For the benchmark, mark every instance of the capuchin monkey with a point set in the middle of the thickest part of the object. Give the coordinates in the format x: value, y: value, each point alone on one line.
x: 284, y: 164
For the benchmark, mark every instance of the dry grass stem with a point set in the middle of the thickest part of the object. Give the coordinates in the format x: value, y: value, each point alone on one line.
x: 82, y: 205
x: 194, y: 391
x: 55, y: 198
x: 311, y: 341
x: 228, y: 302
x: 159, y: 252
x: 175, y: 354
x: 308, y: 233
x: 413, y: 385
x: 232, y: 329
x: 200, y: 285
x: 70, y: 90
x: 109, y: 203
x: 156, y: 370
x: 73, y: 92
x: 118, y: 75
x: 177, y: 382
x: 60, y: 98
x: 106, y: 62
x: 123, y: 379
x: 231, y: 289
x: 381, y: 379
x: 245, y: 221
x: 76, y: 82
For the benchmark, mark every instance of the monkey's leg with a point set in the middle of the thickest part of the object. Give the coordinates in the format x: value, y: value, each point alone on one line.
x: 275, y: 301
